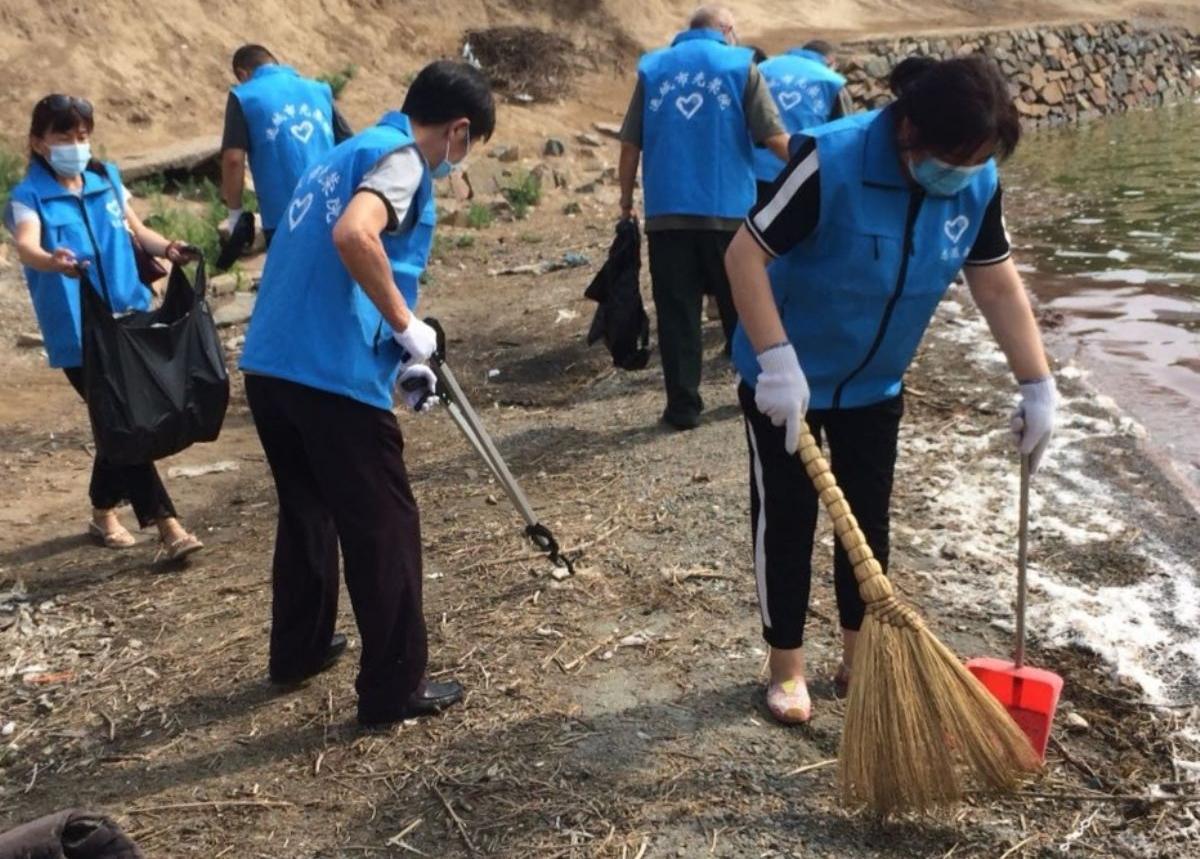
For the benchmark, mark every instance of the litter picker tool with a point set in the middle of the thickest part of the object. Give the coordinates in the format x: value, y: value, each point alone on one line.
x: 920, y: 728
x: 1029, y: 694
x: 468, y: 422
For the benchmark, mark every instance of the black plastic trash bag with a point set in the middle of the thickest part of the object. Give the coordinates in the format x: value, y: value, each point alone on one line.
x: 155, y: 380
x: 621, y: 320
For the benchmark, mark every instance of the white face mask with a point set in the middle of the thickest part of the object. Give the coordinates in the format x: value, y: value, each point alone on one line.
x: 69, y: 160
x: 446, y: 167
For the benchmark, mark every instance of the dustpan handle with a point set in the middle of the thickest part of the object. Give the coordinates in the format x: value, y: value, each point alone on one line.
x: 1022, y: 562
x: 873, y: 585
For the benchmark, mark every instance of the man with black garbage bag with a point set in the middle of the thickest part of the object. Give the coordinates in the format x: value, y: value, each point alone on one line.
x: 334, y: 330
x: 698, y: 110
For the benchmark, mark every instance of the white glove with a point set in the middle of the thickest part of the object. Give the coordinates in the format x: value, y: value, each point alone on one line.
x: 225, y: 228
x: 1033, y: 421
x: 418, y: 341
x: 782, y: 391
x: 418, y: 387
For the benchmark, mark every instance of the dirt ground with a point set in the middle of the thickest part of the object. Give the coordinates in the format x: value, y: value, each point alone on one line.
x: 159, y: 72
x: 616, y: 713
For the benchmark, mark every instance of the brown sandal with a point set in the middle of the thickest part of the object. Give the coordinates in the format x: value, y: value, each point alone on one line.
x: 118, y: 538
x: 188, y: 544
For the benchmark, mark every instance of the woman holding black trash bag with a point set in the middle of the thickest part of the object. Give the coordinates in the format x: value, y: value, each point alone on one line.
x: 71, y: 213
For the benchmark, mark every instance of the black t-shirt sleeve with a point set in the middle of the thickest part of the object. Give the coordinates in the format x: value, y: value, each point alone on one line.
x: 236, y: 134
x: 789, y: 213
x: 992, y: 244
x: 341, y: 128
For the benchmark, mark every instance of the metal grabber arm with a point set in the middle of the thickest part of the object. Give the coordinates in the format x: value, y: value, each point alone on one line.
x: 468, y: 422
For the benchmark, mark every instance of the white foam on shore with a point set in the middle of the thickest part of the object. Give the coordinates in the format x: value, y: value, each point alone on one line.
x: 1149, y: 631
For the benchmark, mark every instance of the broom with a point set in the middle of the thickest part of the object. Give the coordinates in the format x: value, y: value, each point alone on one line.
x: 919, y: 726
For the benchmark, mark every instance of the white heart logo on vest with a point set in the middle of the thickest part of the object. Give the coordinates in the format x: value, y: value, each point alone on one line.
x: 790, y: 99
x: 688, y: 106
x: 299, y: 209
x: 956, y: 228
x: 302, y: 131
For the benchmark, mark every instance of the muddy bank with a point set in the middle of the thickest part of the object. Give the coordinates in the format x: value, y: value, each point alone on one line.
x: 616, y: 713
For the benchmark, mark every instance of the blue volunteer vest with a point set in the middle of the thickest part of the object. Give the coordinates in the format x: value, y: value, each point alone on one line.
x: 805, y: 91
x: 312, y: 323
x: 290, y: 120
x: 93, y: 227
x: 851, y: 306
x: 697, y: 153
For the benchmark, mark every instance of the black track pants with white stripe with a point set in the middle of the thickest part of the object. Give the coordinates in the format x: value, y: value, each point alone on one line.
x: 784, y: 508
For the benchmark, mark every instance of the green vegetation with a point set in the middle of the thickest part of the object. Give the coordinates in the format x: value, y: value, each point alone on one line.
x: 522, y: 191
x: 465, y: 241
x: 337, y: 80
x: 12, y: 169
x: 479, y: 216
x: 180, y: 224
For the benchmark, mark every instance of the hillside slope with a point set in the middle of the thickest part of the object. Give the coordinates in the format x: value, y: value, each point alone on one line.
x: 159, y: 71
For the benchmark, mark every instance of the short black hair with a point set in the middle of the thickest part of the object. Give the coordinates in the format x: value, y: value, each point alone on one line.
x: 250, y: 57
x: 956, y: 106
x: 820, y: 46
x: 447, y: 90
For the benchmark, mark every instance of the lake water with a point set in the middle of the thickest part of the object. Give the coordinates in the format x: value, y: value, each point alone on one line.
x: 1105, y: 220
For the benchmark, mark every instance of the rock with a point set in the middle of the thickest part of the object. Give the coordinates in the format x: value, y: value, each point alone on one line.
x: 554, y: 148
x: 222, y: 284
x: 1052, y: 93
x: 588, y: 155
x: 607, y: 129
x: 562, y: 179
x: 1075, y: 722
x: 1037, y: 76
x: 587, y: 188
x: 30, y: 341
x: 457, y: 218
x: 507, y: 154
x: 236, y: 311
x: 572, y: 208
x: 1050, y: 41
x: 200, y: 470
x: 586, y: 139
x: 877, y: 67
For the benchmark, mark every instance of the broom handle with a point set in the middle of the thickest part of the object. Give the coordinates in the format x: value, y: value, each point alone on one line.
x: 1022, y: 561
x: 873, y: 585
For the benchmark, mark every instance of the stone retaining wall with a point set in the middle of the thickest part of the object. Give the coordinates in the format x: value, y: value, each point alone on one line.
x: 1058, y: 74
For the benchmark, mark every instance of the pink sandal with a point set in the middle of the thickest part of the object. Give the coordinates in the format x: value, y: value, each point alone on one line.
x: 789, y: 702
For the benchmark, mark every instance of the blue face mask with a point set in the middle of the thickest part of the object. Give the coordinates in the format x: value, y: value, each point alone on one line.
x: 70, y: 159
x: 446, y: 167
x: 941, y: 179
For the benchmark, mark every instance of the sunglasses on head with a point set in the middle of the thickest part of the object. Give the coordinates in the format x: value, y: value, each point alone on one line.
x: 59, y: 103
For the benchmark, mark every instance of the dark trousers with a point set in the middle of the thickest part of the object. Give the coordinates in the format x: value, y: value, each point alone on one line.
x: 113, y: 485
x: 784, y: 508
x: 339, y: 473
x: 686, y: 265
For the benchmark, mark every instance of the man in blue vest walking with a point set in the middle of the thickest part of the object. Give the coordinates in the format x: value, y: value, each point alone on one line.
x: 808, y: 93
x: 698, y: 110
x: 283, y: 122
x: 334, y: 331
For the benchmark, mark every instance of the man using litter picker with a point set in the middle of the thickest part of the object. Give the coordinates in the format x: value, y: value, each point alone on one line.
x: 283, y: 122
x: 698, y: 110
x: 333, y: 330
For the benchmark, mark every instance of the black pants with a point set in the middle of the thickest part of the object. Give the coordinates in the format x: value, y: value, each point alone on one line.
x: 784, y: 508
x: 113, y: 485
x: 339, y: 473
x: 685, y: 265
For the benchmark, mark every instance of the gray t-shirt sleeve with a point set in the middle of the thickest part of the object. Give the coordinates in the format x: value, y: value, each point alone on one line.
x: 237, y: 133
x: 396, y: 180
x: 762, y: 114
x: 631, y: 129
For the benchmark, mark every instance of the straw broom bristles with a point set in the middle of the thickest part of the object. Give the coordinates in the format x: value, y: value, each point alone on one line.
x: 919, y: 727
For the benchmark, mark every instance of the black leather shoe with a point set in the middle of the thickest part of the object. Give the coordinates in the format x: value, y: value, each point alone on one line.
x: 682, y: 423
x: 432, y: 699
x: 337, y: 646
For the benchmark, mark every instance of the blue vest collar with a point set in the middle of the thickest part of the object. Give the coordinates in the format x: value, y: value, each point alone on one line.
x: 809, y: 55
x: 882, y: 154
x: 697, y: 35
x: 397, y: 120
x: 47, y: 187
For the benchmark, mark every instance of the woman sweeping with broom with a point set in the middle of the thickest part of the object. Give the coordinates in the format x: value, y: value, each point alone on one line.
x: 836, y: 275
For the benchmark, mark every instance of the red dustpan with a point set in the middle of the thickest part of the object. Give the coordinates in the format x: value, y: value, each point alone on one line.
x: 1029, y: 694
